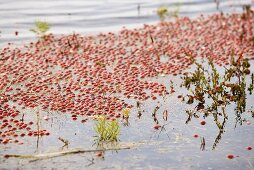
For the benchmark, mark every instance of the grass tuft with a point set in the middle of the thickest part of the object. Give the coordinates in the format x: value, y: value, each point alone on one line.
x: 41, y: 27
x: 107, y: 130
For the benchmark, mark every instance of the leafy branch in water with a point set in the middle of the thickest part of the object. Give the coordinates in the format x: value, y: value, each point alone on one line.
x: 41, y: 27
x: 208, y: 86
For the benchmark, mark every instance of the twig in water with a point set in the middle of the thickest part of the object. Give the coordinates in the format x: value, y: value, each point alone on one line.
x: 91, y: 162
x: 42, y: 156
x: 139, y: 114
x: 163, y: 128
x: 155, y: 110
x: 202, y: 145
x: 22, y: 119
x: 66, y: 142
x: 138, y: 104
x: 165, y: 115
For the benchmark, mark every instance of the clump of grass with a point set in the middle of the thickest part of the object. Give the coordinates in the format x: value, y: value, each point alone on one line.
x: 163, y: 12
x: 41, y: 28
x: 107, y: 130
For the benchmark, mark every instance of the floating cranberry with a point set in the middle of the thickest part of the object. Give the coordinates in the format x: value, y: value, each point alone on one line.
x: 195, y: 136
x: 230, y: 156
x: 5, y: 142
x: 99, y: 154
x: 157, y: 126
x: 203, y: 122
x: 249, y: 148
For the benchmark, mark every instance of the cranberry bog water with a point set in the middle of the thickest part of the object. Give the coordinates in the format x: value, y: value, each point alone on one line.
x: 174, y: 94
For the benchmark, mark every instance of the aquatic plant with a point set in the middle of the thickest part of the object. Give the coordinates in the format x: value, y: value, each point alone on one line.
x: 125, y: 115
x: 219, y: 88
x: 126, y: 112
x: 208, y: 86
x: 41, y: 27
x: 107, y: 130
x: 163, y: 12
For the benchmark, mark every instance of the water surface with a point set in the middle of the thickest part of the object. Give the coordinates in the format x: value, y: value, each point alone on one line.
x: 174, y: 147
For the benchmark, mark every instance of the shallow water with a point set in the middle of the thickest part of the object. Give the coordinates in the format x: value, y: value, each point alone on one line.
x: 171, y: 148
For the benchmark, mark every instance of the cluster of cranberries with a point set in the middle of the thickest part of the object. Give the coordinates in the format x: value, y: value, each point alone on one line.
x: 12, y: 128
x: 91, y: 75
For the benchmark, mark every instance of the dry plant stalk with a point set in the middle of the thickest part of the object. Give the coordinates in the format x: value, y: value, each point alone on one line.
x: 42, y: 156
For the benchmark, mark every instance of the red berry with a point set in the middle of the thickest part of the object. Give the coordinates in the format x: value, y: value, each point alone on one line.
x: 157, y: 126
x: 99, y: 154
x: 230, y: 156
x: 249, y: 148
x: 203, y: 122
x: 195, y: 136
x: 154, y: 97
x: 5, y: 142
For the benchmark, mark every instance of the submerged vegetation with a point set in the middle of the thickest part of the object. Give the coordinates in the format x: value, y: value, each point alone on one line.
x: 216, y: 91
